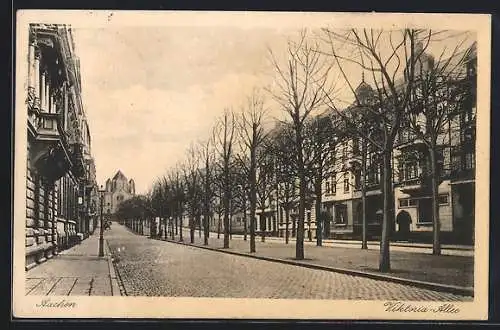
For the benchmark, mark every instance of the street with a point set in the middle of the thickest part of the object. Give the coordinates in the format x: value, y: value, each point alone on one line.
x: 150, y: 267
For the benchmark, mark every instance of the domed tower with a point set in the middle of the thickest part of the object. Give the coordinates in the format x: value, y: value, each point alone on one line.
x: 131, y: 185
x: 364, y: 92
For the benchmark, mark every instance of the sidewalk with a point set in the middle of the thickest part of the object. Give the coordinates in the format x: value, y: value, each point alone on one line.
x: 446, y: 272
x: 78, y: 271
x: 452, y: 250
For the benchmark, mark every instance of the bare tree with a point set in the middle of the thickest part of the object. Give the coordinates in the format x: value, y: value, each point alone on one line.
x: 264, y: 186
x: 252, y: 136
x: 191, y: 177
x: 367, y: 48
x: 301, y: 88
x: 355, y: 124
x: 207, y: 156
x: 281, y: 144
x: 178, y: 197
x: 318, y: 148
x: 224, y: 137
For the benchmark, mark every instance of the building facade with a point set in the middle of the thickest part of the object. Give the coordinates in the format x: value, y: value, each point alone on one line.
x: 118, y: 189
x: 342, y: 188
x: 60, y: 181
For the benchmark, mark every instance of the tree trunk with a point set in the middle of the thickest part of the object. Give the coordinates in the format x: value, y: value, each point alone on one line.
x: 219, y: 225
x: 226, y: 226
x: 231, y: 225
x: 436, y: 226
x: 319, y: 220
x: 205, y: 229
x: 287, y: 219
x: 180, y: 225
x: 385, y: 264
x: 262, y: 226
x: 176, y: 226
x: 244, y: 221
x: 198, y: 219
x: 253, y: 197
x: 364, y: 243
x: 299, y: 244
x: 191, y: 229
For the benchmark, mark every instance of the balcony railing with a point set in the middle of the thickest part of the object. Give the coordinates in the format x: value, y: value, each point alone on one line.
x: 411, y: 182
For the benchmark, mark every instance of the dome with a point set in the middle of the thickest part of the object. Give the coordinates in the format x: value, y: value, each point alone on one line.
x: 364, y: 92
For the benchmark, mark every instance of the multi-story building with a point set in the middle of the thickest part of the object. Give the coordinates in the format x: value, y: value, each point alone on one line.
x: 118, y: 189
x: 342, y: 195
x: 456, y: 170
x: 60, y: 178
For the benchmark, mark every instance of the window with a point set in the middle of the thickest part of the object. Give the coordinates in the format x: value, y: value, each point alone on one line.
x: 355, y: 146
x: 470, y: 160
x: 327, y: 188
x: 443, y: 199
x: 334, y: 184
x: 357, y: 179
x: 411, y: 171
x: 344, y: 152
x: 346, y: 182
x: 340, y: 214
x: 407, y: 202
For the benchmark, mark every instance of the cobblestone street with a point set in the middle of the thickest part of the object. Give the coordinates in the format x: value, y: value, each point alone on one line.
x: 150, y: 267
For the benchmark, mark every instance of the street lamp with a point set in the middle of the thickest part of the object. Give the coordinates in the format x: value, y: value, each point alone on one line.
x: 101, y: 233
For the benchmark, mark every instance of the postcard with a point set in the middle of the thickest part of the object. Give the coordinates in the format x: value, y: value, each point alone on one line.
x: 251, y: 165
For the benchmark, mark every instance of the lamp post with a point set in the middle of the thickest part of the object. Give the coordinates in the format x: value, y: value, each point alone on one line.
x: 101, y: 233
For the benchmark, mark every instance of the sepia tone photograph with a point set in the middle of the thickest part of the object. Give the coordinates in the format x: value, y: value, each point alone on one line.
x: 251, y: 165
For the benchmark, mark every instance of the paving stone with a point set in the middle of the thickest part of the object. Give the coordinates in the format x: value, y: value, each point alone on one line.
x: 44, y: 287
x: 81, y: 287
x: 63, y: 287
x: 32, y: 282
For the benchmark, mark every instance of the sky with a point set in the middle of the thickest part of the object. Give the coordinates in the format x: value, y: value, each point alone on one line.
x: 150, y: 92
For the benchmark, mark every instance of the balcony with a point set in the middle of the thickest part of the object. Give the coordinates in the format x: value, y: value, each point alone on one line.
x: 47, y: 127
x: 413, y: 185
x: 406, y: 140
x: 78, y: 161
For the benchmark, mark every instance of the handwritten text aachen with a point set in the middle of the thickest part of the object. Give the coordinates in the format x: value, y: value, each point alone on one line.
x: 402, y: 307
x: 48, y: 303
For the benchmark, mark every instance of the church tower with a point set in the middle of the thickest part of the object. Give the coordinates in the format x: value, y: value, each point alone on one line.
x: 118, y: 189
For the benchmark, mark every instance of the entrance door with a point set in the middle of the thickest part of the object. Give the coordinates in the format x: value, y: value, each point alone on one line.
x: 403, y: 220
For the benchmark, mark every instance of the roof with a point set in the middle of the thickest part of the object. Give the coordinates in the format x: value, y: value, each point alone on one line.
x: 120, y: 175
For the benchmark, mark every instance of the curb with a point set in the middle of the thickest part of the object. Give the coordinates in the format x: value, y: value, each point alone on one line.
x: 399, y: 244
x: 464, y: 291
x: 116, y: 288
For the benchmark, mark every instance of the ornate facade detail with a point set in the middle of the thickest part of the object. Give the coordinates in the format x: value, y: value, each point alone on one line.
x: 57, y: 180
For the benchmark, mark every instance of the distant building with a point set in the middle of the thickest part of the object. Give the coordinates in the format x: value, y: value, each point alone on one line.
x: 118, y: 189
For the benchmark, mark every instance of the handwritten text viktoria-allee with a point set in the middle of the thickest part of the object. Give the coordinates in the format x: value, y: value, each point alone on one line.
x: 402, y: 307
